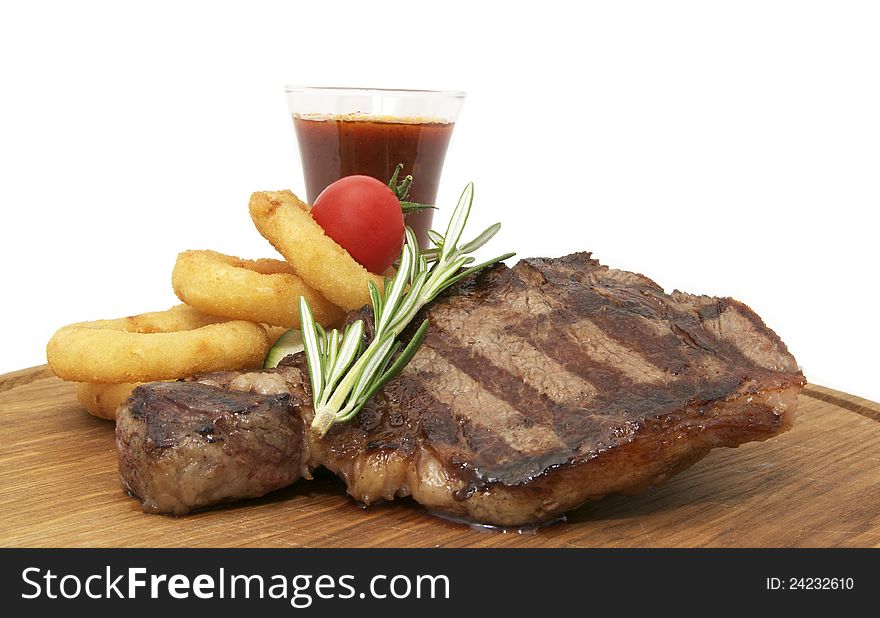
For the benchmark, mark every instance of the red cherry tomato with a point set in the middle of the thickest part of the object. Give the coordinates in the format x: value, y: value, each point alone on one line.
x: 364, y: 217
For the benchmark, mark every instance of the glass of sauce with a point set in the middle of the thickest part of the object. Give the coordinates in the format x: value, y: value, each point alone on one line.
x: 345, y: 131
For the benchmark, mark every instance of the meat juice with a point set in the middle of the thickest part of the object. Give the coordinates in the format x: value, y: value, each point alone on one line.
x: 338, y: 146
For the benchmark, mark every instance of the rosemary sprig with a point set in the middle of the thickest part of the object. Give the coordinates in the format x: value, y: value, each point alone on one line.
x: 345, y: 375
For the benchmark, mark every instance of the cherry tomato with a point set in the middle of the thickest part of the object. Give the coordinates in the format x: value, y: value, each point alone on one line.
x: 364, y: 217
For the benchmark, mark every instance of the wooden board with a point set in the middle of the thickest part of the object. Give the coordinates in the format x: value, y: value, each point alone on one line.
x: 815, y: 486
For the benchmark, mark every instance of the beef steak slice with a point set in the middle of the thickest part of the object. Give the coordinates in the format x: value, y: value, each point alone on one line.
x: 559, y: 381
x: 186, y: 445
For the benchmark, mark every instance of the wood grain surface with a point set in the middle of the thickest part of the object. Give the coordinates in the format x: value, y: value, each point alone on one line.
x: 815, y: 486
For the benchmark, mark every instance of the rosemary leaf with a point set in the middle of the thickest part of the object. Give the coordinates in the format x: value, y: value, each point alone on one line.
x: 372, y: 367
x: 412, y: 244
x: 473, y: 269
x: 435, y: 237
x: 332, y: 343
x: 410, y: 304
x: 484, y: 237
x: 347, y: 351
x: 395, y: 294
x: 439, y: 281
x: 375, y: 298
x: 312, y: 349
x: 458, y: 221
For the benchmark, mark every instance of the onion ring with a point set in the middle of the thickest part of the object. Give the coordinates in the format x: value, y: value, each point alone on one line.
x: 285, y: 222
x: 264, y: 290
x: 163, y: 345
x: 102, y: 400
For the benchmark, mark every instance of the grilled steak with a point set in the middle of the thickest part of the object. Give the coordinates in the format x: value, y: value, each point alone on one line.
x: 555, y: 382
x: 185, y: 445
x: 559, y: 381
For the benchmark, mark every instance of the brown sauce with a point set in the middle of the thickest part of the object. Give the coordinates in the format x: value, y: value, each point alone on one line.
x: 334, y: 147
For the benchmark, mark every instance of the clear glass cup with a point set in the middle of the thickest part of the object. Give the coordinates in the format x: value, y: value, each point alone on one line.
x: 369, y: 131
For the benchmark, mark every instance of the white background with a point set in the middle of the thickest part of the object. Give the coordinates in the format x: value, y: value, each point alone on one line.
x: 728, y: 148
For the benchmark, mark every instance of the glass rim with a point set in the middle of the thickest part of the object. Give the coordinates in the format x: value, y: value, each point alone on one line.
x: 391, y: 92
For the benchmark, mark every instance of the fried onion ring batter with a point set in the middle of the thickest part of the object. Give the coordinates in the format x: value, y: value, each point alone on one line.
x: 264, y: 290
x: 162, y: 345
x: 285, y: 222
x: 102, y: 400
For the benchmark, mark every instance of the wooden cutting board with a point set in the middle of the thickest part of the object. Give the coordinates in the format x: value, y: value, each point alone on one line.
x: 816, y: 486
